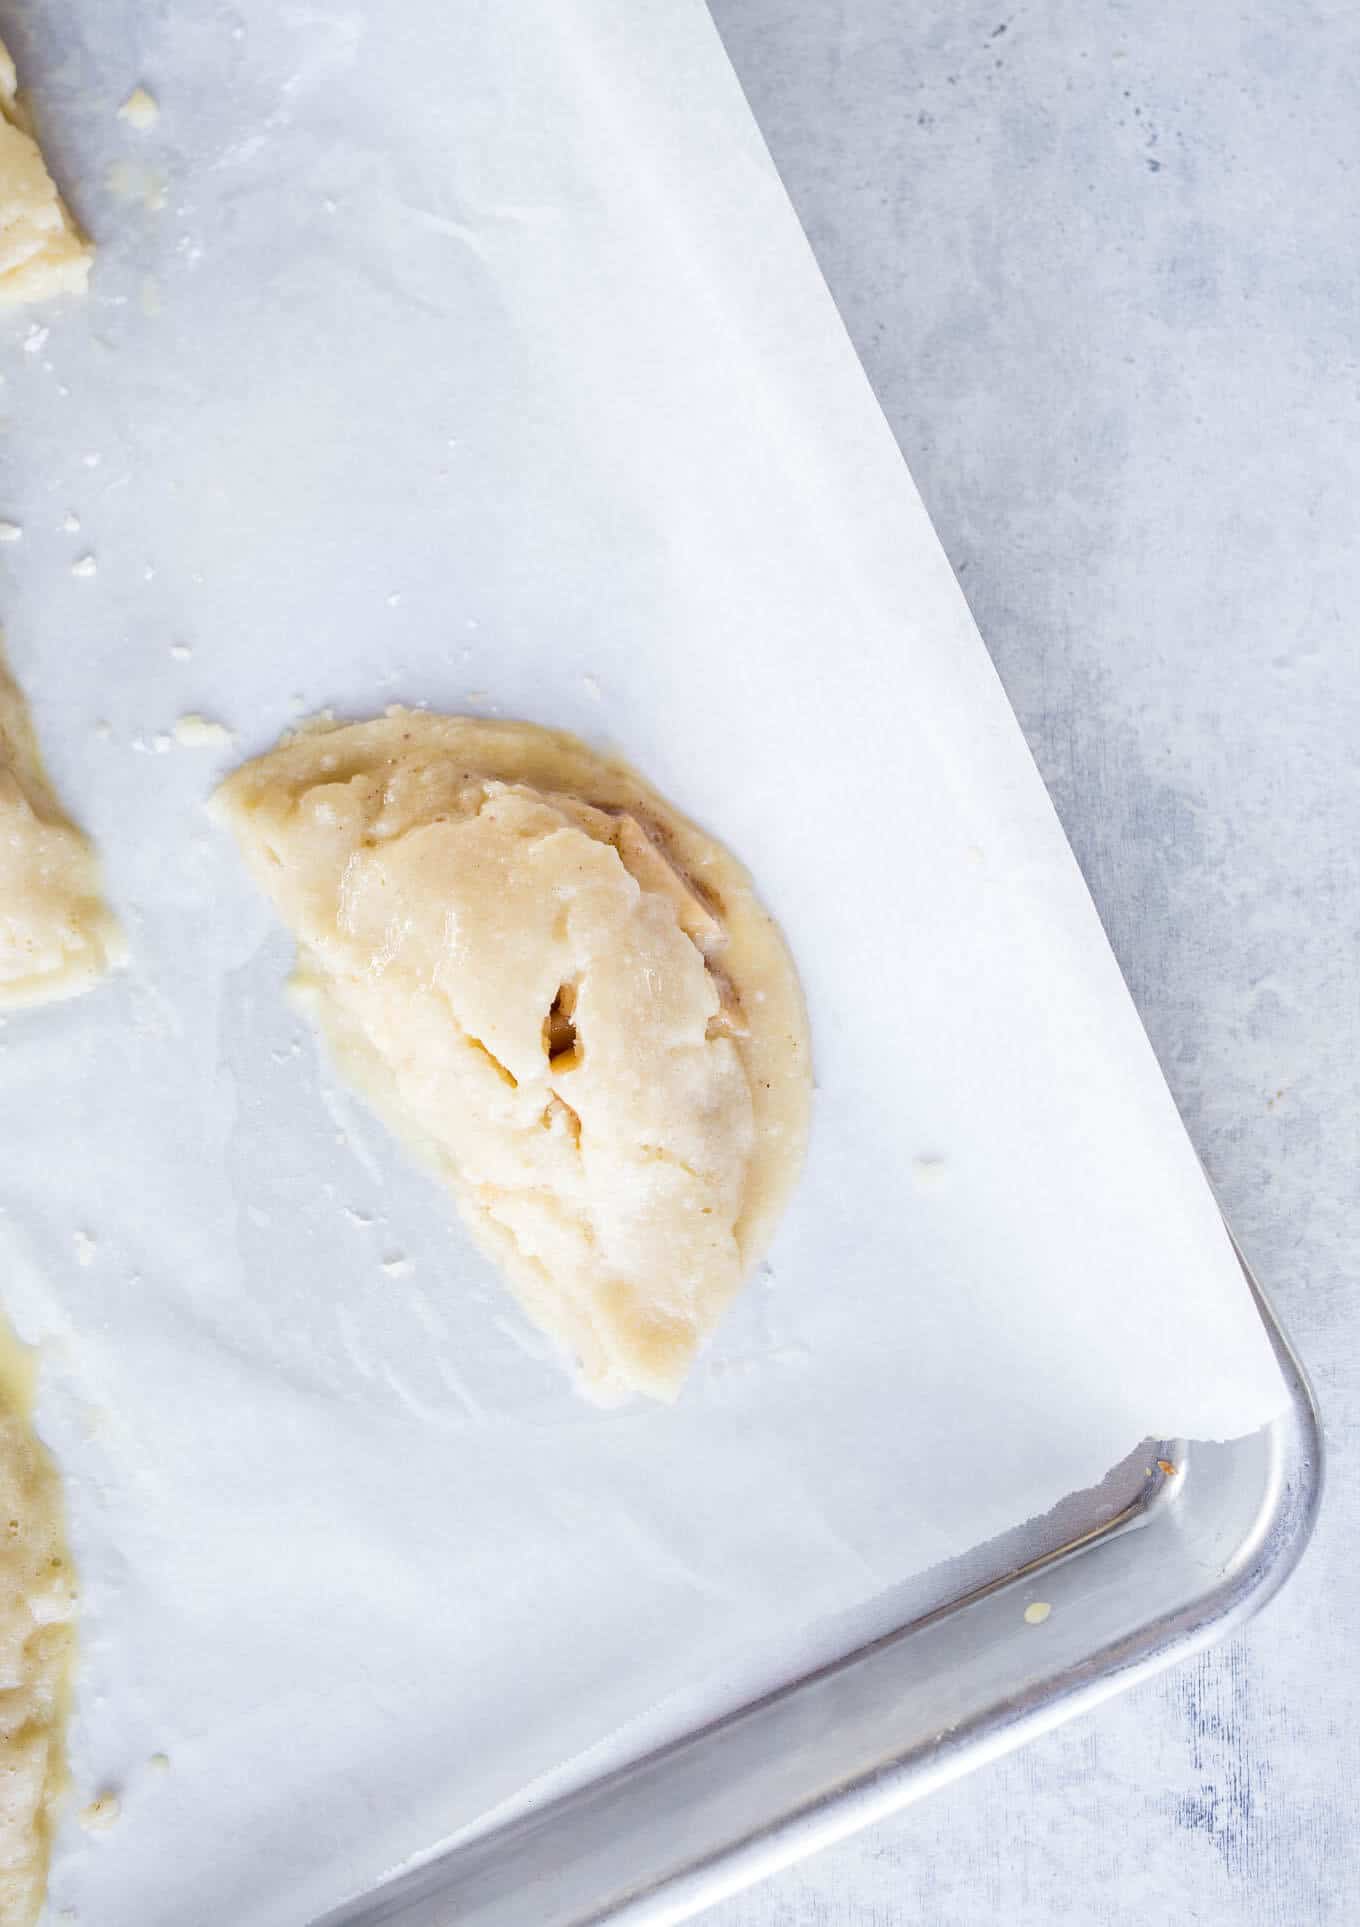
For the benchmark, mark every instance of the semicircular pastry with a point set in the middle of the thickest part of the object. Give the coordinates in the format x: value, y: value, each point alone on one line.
x: 566, y: 993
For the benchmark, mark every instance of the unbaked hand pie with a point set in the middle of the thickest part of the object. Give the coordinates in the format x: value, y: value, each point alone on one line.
x: 42, y: 252
x: 57, y: 935
x: 565, y: 993
x: 37, y: 1642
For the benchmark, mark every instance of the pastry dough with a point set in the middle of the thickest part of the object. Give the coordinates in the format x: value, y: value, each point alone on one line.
x: 57, y: 937
x: 42, y: 251
x: 37, y: 1644
x: 566, y: 992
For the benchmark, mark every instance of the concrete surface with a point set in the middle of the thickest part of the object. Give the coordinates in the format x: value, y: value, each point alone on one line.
x: 1103, y: 265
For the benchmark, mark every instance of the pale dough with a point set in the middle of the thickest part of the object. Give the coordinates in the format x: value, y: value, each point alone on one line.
x: 57, y: 937
x: 37, y: 1644
x: 42, y: 252
x: 567, y: 992
x: 140, y: 110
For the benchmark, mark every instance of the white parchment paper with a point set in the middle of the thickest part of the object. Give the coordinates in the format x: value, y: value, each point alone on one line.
x: 470, y: 354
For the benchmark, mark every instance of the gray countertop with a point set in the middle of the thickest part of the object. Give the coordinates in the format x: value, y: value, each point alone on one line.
x: 1103, y: 266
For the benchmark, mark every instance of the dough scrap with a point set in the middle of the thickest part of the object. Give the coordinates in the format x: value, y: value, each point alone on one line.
x: 566, y: 993
x: 37, y: 1644
x: 57, y: 935
x: 42, y: 251
x: 140, y: 110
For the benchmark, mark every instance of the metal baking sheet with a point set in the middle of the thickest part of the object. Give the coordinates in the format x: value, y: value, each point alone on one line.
x: 472, y: 355
x: 1174, y: 1551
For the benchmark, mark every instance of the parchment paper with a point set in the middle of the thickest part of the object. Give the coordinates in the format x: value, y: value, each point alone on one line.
x: 475, y: 357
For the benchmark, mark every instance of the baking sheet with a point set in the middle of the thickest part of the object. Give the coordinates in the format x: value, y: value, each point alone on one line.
x: 472, y: 355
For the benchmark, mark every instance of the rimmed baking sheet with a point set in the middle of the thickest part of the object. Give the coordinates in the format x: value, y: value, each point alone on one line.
x: 472, y: 355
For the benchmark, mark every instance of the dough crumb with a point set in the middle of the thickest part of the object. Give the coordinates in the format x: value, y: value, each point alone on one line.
x: 929, y: 1173
x: 397, y: 1265
x: 198, y: 732
x: 134, y: 181
x: 1037, y: 1612
x: 181, y: 651
x: 84, y: 565
x: 159, y: 1762
x: 140, y: 110
x: 44, y: 252
x: 10, y: 532
x: 102, y: 1812
x: 86, y: 1247
x: 70, y: 522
